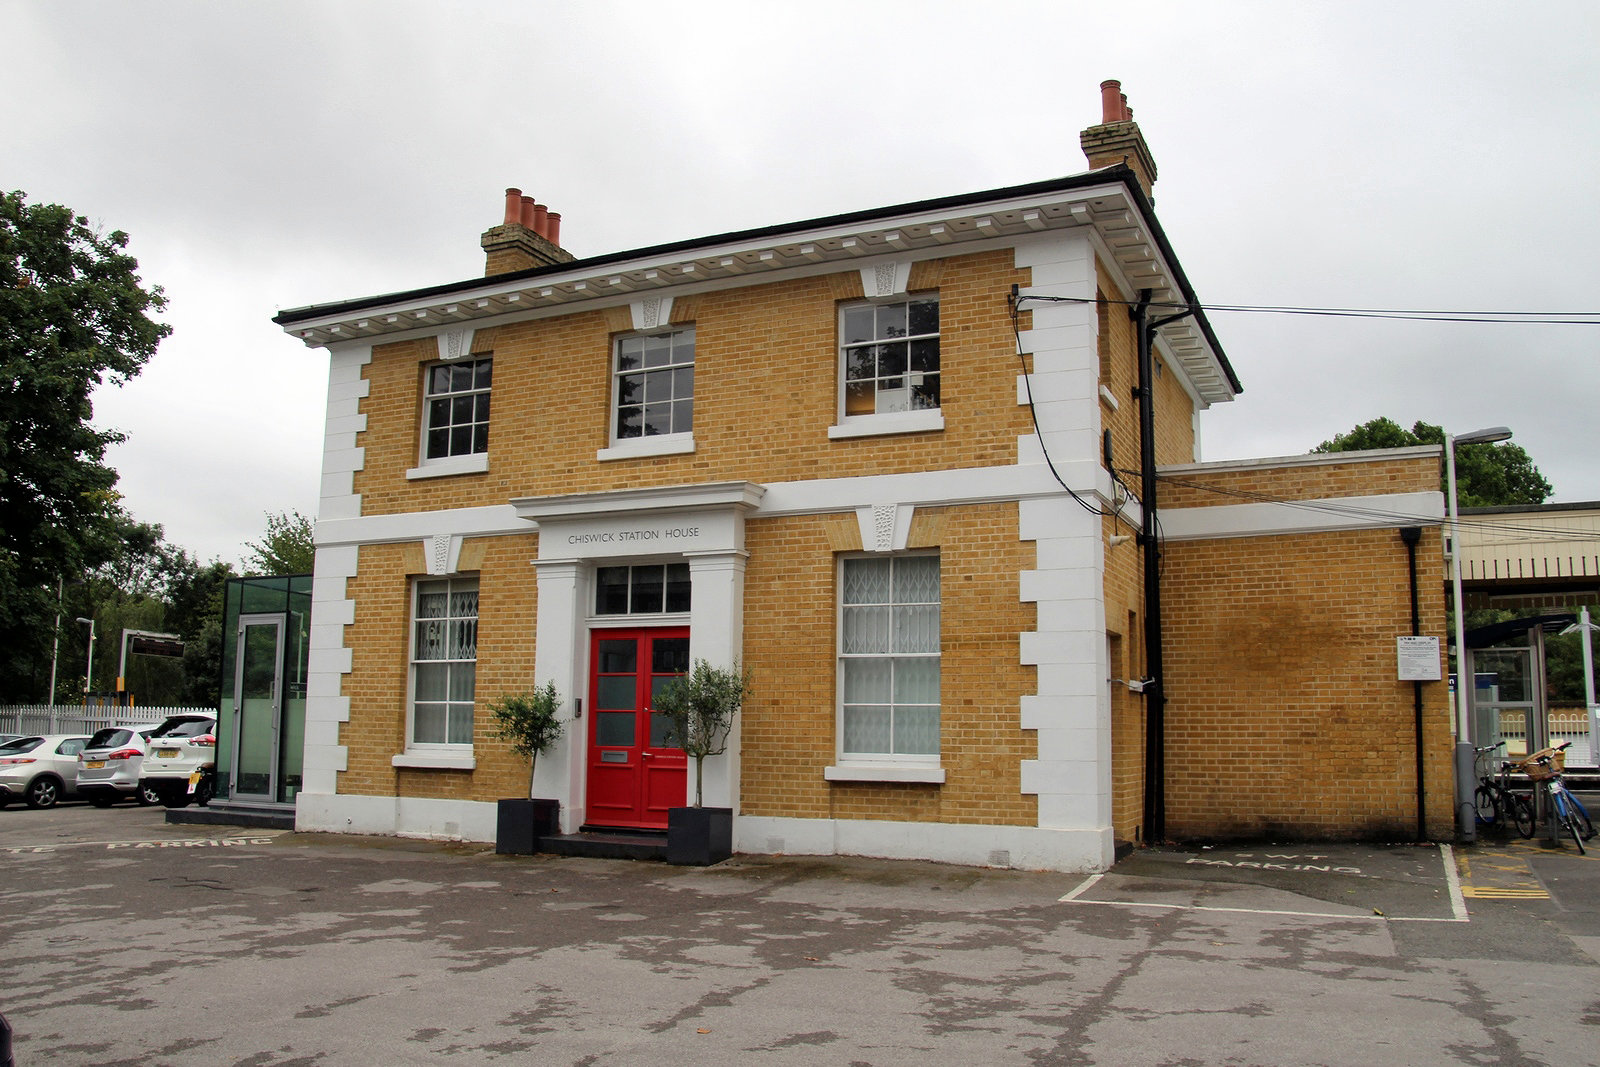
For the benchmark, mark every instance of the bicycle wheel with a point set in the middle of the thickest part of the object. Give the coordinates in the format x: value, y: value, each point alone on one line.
x: 1570, y: 820
x: 1487, y: 806
x: 1522, y: 814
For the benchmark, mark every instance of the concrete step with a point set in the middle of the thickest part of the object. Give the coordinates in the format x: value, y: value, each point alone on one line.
x: 609, y: 844
x: 230, y: 813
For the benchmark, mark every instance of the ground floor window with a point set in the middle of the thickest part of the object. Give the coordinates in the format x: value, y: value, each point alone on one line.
x: 889, y: 657
x: 444, y: 661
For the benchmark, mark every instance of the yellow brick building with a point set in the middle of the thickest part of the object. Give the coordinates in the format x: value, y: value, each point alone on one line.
x: 879, y: 460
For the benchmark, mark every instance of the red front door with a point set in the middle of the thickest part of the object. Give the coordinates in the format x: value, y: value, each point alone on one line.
x: 633, y: 776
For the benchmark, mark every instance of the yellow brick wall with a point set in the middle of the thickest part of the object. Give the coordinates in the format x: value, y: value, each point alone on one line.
x: 789, y: 727
x: 379, y: 641
x: 1119, y: 363
x: 1284, y: 715
x: 1124, y: 606
x: 1188, y: 489
x: 766, y: 392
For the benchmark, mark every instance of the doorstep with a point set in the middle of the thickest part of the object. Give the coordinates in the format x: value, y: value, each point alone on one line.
x: 609, y: 844
x: 231, y: 813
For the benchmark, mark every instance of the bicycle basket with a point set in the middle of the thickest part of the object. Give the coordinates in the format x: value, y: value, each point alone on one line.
x: 1545, y: 763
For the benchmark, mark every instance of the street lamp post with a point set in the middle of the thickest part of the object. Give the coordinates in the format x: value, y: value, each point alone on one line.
x: 1466, y: 763
x: 88, y: 671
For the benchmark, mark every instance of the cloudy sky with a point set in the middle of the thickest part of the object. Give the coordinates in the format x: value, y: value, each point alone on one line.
x: 1416, y: 155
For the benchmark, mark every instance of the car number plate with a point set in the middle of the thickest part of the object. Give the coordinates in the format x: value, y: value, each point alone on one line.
x: 93, y: 764
x: 167, y: 753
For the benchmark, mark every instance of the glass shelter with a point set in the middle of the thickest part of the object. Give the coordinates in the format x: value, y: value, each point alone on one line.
x: 266, y: 630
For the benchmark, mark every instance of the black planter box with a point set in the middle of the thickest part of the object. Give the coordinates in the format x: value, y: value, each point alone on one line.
x: 520, y: 823
x: 699, y: 837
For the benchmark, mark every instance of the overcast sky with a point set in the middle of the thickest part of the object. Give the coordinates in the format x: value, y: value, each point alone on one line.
x: 264, y: 156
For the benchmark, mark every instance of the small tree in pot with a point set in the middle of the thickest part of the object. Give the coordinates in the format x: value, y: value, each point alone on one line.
x: 531, y: 723
x: 701, y: 706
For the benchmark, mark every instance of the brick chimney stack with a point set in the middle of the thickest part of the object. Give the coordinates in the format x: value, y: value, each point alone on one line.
x: 1117, y: 139
x: 530, y: 236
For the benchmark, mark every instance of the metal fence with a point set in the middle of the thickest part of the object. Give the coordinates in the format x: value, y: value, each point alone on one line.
x: 78, y: 719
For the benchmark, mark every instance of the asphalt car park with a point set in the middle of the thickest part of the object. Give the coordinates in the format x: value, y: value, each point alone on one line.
x: 130, y: 940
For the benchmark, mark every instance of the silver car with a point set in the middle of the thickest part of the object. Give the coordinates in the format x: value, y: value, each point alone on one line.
x: 108, y: 766
x: 39, y: 770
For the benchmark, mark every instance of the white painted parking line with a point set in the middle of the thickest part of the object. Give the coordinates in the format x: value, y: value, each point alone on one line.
x: 180, y: 842
x: 1458, y: 905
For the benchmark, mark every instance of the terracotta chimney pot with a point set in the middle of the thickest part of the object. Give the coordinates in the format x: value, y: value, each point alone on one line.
x: 513, y: 205
x: 1113, y: 105
x: 541, y: 221
x: 554, y: 235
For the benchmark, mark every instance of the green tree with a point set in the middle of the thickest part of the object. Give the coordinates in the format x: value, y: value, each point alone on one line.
x: 1487, y: 475
x: 73, y: 315
x: 287, y: 547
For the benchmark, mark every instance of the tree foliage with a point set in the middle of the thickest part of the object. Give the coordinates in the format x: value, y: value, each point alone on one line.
x: 73, y: 315
x: 287, y: 547
x: 700, y: 707
x: 530, y: 722
x: 1487, y: 475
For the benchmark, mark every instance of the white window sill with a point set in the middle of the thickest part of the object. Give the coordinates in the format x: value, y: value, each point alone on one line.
x: 1108, y: 399
x: 884, y: 772
x: 892, y: 422
x: 436, y: 761
x: 476, y: 463
x: 672, y: 444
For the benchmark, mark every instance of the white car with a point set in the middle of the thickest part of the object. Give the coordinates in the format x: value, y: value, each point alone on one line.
x: 40, y: 770
x: 180, y: 762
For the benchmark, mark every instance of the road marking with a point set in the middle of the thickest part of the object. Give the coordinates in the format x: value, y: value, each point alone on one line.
x: 179, y: 842
x: 1515, y: 878
x: 1458, y: 907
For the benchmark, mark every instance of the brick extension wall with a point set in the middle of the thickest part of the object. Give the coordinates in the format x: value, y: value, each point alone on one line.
x: 1284, y: 716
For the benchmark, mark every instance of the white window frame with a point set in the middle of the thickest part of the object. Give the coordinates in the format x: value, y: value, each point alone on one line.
x: 678, y: 442
x: 878, y: 766
x: 884, y: 422
x: 459, y: 463
x: 444, y: 754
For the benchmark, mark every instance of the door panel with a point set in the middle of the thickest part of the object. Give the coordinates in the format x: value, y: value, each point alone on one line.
x: 256, y: 689
x: 634, y: 774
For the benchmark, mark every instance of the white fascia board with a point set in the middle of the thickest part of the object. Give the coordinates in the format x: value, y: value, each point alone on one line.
x: 594, y: 276
x: 1304, y: 459
x: 1325, y: 515
x: 973, y: 485
x: 486, y: 521
x: 711, y: 495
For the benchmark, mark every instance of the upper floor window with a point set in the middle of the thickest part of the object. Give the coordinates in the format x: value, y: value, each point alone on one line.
x: 457, y: 409
x: 654, y: 385
x: 890, y: 356
x: 444, y: 661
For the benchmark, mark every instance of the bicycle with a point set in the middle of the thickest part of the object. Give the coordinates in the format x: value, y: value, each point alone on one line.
x: 1545, y: 766
x: 1494, y: 800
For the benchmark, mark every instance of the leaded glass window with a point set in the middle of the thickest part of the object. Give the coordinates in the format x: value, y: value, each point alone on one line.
x: 889, y: 657
x: 444, y: 661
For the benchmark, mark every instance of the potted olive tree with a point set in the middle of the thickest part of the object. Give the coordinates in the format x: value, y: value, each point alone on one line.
x: 701, y: 706
x: 530, y: 722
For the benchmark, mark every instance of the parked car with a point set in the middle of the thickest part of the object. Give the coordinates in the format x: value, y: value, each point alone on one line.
x: 8, y: 737
x: 39, y: 770
x: 111, y: 764
x: 108, y: 766
x: 180, y: 763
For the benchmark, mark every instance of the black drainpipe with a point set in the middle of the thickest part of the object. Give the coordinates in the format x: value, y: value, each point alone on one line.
x: 1411, y: 535
x: 1155, y: 753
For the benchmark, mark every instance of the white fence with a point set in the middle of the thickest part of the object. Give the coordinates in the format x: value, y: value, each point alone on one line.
x: 78, y: 719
